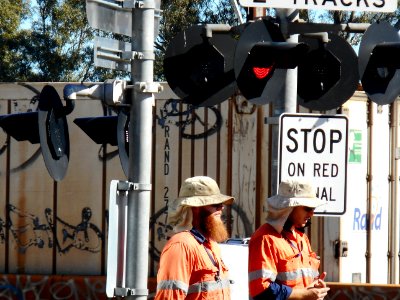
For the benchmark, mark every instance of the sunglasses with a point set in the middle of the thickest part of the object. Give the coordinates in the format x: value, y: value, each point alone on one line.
x: 219, y: 205
x: 308, y: 209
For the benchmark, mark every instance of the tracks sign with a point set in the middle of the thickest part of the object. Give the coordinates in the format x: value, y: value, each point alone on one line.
x: 353, y: 5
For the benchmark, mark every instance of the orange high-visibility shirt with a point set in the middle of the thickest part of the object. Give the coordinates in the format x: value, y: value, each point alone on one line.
x: 187, y: 271
x: 281, y: 258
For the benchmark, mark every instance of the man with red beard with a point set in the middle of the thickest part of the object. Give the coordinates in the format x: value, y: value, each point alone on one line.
x: 190, y: 264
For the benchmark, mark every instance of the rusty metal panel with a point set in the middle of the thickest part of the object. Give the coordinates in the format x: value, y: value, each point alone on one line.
x: 30, y: 195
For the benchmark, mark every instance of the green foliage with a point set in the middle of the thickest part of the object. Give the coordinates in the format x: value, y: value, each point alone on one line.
x: 57, y: 47
x: 345, y: 17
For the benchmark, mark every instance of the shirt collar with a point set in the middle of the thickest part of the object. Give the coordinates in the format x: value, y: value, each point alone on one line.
x: 197, y: 235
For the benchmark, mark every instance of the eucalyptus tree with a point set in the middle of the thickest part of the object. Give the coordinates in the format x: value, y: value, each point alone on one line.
x: 47, y: 40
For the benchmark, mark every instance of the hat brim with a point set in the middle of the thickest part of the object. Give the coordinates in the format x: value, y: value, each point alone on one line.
x: 280, y: 202
x: 197, y: 201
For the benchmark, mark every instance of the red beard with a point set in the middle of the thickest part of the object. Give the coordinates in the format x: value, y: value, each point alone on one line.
x: 213, y: 228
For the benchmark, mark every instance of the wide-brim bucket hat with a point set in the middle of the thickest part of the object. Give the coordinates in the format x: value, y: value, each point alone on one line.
x: 294, y: 193
x: 195, y: 192
x: 291, y: 193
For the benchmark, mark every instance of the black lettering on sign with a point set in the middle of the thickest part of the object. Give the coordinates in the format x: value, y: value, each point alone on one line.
x: 319, y: 135
x: 365, y: 2
x: 319, y: 139
x: 325, y: 170
x: 166, y: 169
x: 325, y: 193
x: 296, y: 170
x: 344, y: 3
x: 166, y: 150
x: 166, y: 131
x: 333, y: 2
x: 379, y: 4
x: 305, y: 131
x: 335, y: 137
x: 166, y: 156
x: 290, y: 136
x: 166, y: 145
x: 166, y: 190
x: 306, y: 2
x: 356, y: 3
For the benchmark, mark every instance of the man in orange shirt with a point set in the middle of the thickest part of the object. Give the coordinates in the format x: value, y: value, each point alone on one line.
x: 190, y: 264
x: 281, y: 263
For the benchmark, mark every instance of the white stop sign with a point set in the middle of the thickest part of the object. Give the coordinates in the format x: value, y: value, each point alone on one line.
x: 314, y: 147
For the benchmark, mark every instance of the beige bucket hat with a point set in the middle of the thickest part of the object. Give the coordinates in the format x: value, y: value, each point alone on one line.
x: 291, y: 193
x: 195, y: 192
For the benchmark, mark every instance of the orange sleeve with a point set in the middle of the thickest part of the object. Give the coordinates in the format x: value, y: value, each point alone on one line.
x: 262, y: 266
x: 174, y: 272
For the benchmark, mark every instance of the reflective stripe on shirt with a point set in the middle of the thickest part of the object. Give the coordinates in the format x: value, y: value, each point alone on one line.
x: 199, y: 287
x: 297, y: 274
x: 172, y: 285
x: 208, y: 286
x: 262, y: 274
x: 283, y: 276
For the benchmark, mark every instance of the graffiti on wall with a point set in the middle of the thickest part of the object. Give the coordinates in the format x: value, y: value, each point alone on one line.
x: 27, y: 231
x: 192, y: 123
x: 23, y: 287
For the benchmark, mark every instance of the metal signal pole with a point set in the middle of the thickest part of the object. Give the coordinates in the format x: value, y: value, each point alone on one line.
x: 288, y: 100
x: 140, y: 149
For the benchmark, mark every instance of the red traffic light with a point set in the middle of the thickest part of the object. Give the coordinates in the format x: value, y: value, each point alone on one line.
x: 261, y: 63
x: 262, y: 72
x: 262, y: 56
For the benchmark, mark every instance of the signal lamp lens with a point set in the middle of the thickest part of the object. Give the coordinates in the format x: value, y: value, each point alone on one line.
x: 263, y: 72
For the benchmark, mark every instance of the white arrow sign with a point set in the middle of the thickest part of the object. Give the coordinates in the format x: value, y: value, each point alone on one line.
x: 352, y: 5
x: 314, y: 147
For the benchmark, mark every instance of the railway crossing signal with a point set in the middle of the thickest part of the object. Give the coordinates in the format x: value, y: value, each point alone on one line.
x: 47, y: 126
x: 328, y: 76
x: 199, y: 66
x: 379, y: 63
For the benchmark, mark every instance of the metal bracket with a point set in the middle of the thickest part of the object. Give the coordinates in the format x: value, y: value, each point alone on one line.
x: 131, y: 55
x: 210, y: 28
x: 321, y: 36
x: 148, y: 87
x: 271, y: 120
x: 129, y: 3
x: 303, y: 27
x: 130, y: 186
x: 123, y: 292
x: 146, y: 4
